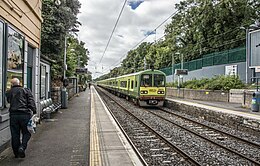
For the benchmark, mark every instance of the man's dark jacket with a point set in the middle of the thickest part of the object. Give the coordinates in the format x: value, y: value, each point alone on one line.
x: 21, y: 101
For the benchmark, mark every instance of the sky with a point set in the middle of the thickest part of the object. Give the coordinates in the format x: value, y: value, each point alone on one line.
x: 139, y: 18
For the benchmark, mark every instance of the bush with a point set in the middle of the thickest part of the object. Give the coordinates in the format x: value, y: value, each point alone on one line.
x: 221, y: 82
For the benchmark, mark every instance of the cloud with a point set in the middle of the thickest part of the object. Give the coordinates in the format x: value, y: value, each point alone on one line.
x: 98, y: 18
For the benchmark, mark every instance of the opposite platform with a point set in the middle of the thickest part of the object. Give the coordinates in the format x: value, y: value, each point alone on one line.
x: 229, y: 114
x: 224, y: 107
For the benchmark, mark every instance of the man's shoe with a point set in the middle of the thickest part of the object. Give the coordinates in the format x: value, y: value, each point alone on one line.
x: 21, y: 152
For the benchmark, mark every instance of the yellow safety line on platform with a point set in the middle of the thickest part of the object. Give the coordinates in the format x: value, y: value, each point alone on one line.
x: 95, y: 157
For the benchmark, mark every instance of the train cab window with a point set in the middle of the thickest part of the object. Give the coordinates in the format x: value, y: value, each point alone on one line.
x: 132, y: 84
x: 159, y: 80
x: 146, y: 80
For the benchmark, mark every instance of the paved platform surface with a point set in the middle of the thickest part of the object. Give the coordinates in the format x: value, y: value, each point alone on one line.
x: 109, y: 146
x: 84, y: 134
x: 226, y: 107
x: 61, y: 141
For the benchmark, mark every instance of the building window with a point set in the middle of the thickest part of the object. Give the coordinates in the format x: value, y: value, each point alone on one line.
x: 1, y: 61
x: 15, y: 56
x: 29, y: 67
x: 43, y: 81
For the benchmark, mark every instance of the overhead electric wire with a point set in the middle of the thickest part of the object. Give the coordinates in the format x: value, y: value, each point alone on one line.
x: 205, y: 48
x: 214, y: 36
x: 113, y: 30
x: 174, y: 13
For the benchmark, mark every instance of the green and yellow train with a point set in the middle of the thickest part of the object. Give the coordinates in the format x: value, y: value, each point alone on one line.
x: 146, y: 88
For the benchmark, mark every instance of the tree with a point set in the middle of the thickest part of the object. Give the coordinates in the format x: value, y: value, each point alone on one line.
x: 57, y: 23
x: 200, y: 27
x: 77, y: 55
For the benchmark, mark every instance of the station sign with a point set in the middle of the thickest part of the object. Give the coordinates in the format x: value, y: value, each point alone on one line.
x: 81, y: 71
x: 181, y: 71
x: 254, y: 48
x: 231, y: 70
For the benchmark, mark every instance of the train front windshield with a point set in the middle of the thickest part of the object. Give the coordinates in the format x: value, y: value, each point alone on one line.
x: 159, y: 80
x: 146, y: 80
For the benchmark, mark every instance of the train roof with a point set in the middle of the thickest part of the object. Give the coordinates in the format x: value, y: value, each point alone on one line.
x: 140, y: 72
x: 133, y: 74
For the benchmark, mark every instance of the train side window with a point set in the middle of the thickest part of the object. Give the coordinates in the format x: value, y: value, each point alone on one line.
x: 132, y: 84
x: 159, y: 80
x: 135, y: 83
x: 123, y: 84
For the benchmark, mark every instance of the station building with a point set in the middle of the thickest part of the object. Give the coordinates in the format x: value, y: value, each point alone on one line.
x: 20, y: 35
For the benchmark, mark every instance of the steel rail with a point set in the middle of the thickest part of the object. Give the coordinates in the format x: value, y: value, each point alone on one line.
x: 213, y: 142
x: 239, y: 138
x: 182, y: 153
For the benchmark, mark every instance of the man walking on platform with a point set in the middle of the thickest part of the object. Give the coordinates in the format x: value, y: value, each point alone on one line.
x: 22, y: 107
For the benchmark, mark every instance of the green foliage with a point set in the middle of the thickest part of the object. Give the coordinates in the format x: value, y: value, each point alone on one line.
x: 200, y: 27
x: 58, y: 21
x: 220, y: 82
x: 77, y: 55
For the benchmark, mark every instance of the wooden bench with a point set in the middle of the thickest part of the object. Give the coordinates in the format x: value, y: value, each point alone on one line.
x: 47, y: 107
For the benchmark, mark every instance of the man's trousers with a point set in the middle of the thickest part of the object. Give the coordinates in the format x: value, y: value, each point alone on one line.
x: 18, y: 124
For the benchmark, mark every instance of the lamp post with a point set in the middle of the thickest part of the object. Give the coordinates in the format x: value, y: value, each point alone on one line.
x: 173, y: 64
x: 64, y: 93
x: 172, y: 69
x: 65, y: 58
x: 65, y: 51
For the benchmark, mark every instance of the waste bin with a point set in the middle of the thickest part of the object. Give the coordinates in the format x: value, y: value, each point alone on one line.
x: 255, y: 102
x: 64, y: 98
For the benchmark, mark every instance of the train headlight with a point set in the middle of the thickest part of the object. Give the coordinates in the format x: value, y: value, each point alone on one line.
x: 144, y: 92
x: 160, y: 92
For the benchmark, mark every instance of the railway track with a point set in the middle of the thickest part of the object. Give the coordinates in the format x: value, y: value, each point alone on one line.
x: 203, y: 144
x: 154, y: 148
x: 240, y: 146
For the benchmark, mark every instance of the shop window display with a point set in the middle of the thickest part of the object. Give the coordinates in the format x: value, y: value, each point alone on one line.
x: 15, y: 56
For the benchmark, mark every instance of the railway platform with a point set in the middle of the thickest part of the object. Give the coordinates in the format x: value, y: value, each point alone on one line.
x: 86, y: 134
x: 231, y: 115
x: 224, y: 107
x: 83, y: 134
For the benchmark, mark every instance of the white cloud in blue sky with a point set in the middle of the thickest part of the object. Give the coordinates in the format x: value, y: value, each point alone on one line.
x: 138, y: 19
x: 148, y: 32
x: 135, y: 3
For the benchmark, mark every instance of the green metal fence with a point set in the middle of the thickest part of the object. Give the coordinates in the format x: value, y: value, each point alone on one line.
x: 224, y: 57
